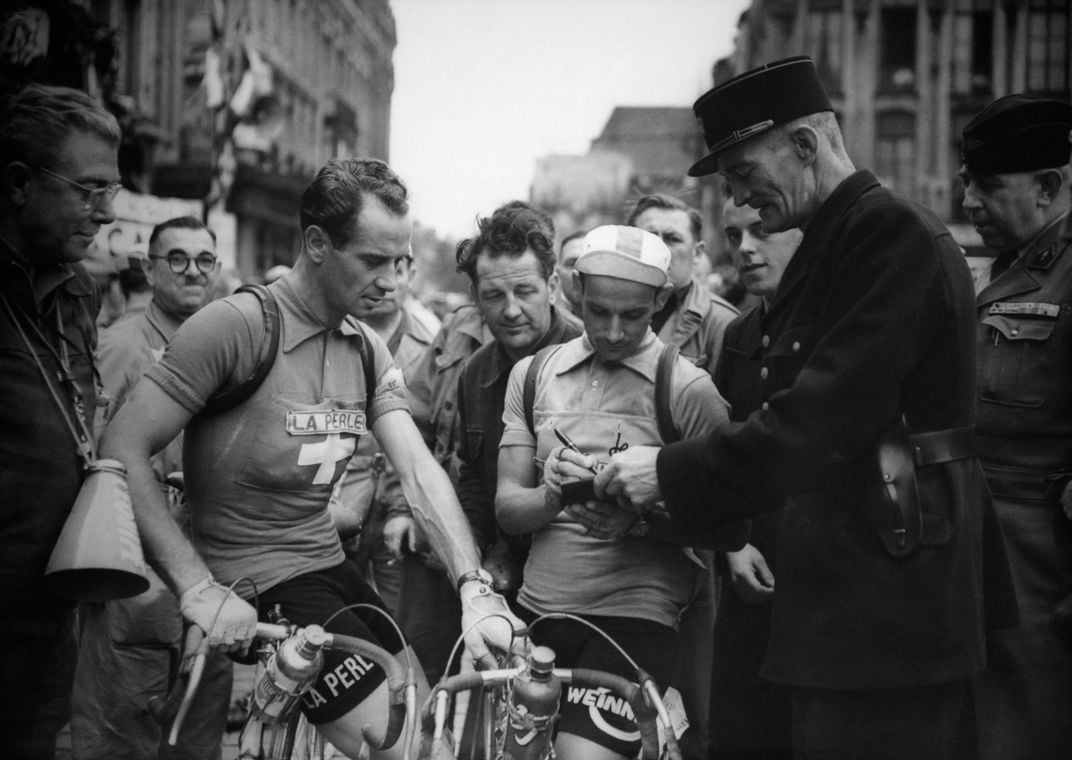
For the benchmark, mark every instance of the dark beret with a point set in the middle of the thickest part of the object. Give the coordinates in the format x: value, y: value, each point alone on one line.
x: 754, y: 102
x: 1018, y: 133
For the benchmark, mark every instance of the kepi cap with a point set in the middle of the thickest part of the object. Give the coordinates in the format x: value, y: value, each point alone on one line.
x: 1018, y: 133
x: 754, y: 102
x: 628, y: 253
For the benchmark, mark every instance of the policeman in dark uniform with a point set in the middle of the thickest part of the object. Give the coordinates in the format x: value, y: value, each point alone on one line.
x: 1016, y: 180
x: 885, y: 583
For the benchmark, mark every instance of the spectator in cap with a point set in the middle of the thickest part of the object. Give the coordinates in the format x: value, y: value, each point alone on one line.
x: 1016, y: 192
x: 878, y: 616
x: 631, y: 577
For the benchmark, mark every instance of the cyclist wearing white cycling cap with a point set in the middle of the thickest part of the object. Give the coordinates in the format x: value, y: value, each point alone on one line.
x: 632, y: 578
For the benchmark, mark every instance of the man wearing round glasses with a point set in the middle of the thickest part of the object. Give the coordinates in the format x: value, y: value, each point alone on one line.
x: 184, y: 267
x: 58, y: 168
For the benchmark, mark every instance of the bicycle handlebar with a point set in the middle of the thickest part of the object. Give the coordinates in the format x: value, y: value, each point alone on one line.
x: 401, y: 683
x: 434, y: 712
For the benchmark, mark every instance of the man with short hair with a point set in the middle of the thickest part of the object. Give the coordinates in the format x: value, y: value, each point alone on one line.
x: 59, y: 174
x: 1017, y: 176
x: 630, y: 578
x: 749, y: 715
x: 568, y: 252
x: 867, y: 369
x: 510, y: 263
x: 129, y: 648
x: 259, y: 474
x: 693, y: 319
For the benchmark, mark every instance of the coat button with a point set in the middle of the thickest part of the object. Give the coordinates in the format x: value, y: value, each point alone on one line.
x: 766, y: 341
x: 763, y: 373
x: 1015, y: 331
x: 796, y: 345
x: 766, y: 406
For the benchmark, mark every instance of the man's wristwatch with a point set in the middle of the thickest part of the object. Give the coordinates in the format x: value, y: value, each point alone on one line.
x: 479, y: 574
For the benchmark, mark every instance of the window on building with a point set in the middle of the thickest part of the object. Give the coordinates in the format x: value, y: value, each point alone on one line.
x: 824, y: 41
x: 895, y: 150
x: 897, y: 72
x: 973, y: 47
x: 1049, y: 39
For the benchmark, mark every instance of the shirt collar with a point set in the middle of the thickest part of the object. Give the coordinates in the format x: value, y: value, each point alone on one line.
x: 642, y: 361
x: 301, y: 323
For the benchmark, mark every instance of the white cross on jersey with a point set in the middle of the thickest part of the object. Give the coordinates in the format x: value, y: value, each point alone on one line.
x: 326, y: 454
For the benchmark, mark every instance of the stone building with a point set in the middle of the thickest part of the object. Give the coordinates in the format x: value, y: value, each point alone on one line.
x: 905, y: 76
x: 247, y: 98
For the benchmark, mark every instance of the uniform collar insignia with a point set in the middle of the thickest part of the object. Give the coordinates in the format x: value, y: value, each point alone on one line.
x: 1043, y: 258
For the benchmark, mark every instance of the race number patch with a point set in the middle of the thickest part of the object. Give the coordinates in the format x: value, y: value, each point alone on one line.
x: 327, y: 422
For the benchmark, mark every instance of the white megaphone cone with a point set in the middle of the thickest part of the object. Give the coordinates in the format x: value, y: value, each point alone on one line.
x: 98, y: 556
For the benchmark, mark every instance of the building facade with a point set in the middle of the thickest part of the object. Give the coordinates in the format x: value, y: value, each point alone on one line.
x: 906, y: 76
x: 640, y: 150
x: 234, y: 103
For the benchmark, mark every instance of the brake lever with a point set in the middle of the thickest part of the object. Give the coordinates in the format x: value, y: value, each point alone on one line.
x: 195, y: 651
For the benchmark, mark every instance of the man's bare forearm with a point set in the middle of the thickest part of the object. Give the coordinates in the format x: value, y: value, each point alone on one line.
x: 435, y: 506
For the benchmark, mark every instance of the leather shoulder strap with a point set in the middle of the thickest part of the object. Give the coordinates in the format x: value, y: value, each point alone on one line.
x: 664, y: 373
x: 528, y: 396
x: 228, y: 398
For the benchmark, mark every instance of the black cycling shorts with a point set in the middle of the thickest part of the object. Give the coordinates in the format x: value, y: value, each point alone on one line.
x: 345, y: 680
x: 591, y: 713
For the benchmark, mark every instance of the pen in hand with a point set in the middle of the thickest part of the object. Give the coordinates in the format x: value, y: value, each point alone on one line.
x: 569, y: 444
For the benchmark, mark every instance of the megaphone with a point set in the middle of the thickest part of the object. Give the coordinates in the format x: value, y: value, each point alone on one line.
x: 98, y: 556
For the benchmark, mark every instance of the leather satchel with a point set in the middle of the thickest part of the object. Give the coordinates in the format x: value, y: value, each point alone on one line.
x: 893, y: 505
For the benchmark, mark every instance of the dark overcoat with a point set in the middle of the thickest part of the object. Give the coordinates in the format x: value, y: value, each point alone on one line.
x: 873, y: 322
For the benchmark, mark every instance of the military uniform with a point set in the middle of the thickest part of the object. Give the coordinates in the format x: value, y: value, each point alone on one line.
x: 1025, y: 443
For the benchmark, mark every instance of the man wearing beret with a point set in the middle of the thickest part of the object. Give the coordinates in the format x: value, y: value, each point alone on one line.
x: 1016, y: 191
x: 867, y: 347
